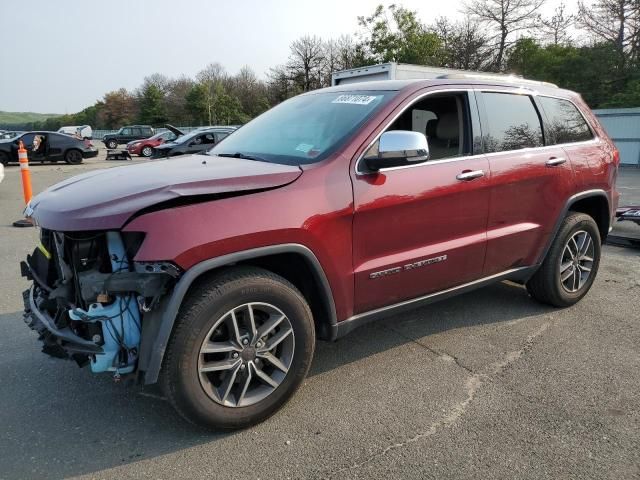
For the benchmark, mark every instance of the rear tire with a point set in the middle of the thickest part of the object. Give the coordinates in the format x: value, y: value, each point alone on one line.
x: 111, y: 144
x: 571, y: 265
x: 73, y: 157
x: 225, y: 386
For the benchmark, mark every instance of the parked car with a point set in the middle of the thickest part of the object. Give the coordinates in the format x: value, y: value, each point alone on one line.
x: 83, y: 131
x: 199, y: 140
x: 7, y: 134
x: 47, y: 147
x: 214, y: 275
x: 145, y: 147
x: 127, y: 134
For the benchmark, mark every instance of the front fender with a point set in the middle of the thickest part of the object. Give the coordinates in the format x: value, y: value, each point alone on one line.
x: 158, y: 324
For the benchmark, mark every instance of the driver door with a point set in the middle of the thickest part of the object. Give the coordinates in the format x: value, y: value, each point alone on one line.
x: 27, y: 141
x: 421, y: 228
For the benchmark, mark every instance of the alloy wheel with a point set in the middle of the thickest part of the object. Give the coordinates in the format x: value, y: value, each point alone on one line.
x: 246, y: 355
x: 576, y: 261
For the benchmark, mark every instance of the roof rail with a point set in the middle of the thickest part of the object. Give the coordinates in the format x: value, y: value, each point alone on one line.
x: 495, y: 76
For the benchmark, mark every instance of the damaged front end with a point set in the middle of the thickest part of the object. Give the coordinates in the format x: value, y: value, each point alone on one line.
x: 89, y: 299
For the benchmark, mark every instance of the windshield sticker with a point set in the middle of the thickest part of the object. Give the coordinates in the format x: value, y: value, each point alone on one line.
x: 304, y: 147
x: 355, y: 99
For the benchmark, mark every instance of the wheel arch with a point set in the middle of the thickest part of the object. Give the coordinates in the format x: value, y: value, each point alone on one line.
x: 594, y: 203
x: 303, y: 270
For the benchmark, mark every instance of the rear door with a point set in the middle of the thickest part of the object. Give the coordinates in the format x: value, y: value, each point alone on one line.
x: 531, y: 179
x: 56, y: 145
x: 422, y: 228
x: 569, y: 129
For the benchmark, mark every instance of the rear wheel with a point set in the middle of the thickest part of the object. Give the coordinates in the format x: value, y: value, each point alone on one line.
x: 147, y: 151
x: 242, y: 345
x: 571, y: 265
x: 111, y: 144
x: 73, y: 157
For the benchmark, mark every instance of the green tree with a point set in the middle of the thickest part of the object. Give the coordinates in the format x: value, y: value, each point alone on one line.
x: 196, y: 104
x: 400, y: 37
x: 152, y: 107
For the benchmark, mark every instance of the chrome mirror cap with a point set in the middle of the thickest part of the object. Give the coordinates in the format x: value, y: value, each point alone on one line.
x: 397, y: 148
x: 408, y: 145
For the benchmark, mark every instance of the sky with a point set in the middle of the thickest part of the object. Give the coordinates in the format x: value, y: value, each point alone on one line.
x: 61, y: 56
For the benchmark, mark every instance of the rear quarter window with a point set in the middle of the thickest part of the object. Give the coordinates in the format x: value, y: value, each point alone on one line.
x: 566, y: 123
x: 512, y: 122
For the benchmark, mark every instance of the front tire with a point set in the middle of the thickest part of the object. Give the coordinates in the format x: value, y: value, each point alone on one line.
x: 147, y: 151
x: 571, y: 265
x: 242, y: 345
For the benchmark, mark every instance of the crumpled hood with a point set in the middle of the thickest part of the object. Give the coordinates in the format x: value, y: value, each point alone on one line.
x: 106, y: 199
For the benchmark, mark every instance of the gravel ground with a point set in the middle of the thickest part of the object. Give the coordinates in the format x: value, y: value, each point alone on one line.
x: 486, y: 385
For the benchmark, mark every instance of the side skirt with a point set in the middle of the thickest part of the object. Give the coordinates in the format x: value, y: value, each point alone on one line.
x: 521, y: 274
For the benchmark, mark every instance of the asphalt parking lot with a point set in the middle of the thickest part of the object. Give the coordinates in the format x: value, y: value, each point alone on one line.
x: 486, y: 385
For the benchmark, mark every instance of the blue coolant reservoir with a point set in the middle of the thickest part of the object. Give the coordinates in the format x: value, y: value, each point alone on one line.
x: 120, y: 320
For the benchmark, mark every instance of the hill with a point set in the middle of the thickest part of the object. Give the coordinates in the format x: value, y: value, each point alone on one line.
x: 20, y: 118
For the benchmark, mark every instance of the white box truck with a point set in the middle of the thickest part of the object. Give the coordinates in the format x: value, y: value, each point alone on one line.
x: 406, y: 71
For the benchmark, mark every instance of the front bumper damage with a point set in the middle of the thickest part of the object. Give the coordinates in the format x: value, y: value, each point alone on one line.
x: 88, y: 300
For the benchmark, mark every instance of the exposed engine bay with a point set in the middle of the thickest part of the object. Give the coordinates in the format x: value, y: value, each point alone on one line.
x: 89, y: 299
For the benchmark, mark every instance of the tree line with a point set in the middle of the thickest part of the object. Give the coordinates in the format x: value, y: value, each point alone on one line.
x: 594, y: 50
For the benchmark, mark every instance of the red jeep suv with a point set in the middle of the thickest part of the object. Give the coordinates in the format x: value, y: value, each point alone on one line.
x: 215, y: 274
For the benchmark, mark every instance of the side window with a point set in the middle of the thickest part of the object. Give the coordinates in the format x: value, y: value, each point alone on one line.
x: 513, y: 122
x: 126, y: 131
x: 146, y: 132
x: 220, y: 136
x: 136, y: 132
x: 443, y: 119
x: 566, y: 123
x: 209, y: 139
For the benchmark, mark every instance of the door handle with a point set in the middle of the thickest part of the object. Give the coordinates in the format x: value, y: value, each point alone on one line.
x: 470, y: 175
x: 555, y: 161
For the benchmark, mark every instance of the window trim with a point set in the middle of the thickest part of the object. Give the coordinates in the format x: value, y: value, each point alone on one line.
x: 594, y: 135
x: 473, y: 112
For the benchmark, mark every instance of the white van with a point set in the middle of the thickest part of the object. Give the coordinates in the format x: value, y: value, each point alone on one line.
x: 84, y: 131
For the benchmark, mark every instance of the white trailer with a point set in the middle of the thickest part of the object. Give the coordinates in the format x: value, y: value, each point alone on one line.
x: 406, y: 71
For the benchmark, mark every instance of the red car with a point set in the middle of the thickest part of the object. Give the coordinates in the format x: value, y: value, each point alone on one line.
x: 214, y: 275
x: 144, y: 148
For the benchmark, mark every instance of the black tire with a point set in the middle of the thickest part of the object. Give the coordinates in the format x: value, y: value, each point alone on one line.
x: 146, y: 151
x: 546, y: 285
x: 4, y: 159
x: 73, y: 157
x: 111, y: 144
x: 205, y: 305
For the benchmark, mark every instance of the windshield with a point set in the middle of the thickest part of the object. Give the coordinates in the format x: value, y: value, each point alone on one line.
x: 304, y: 129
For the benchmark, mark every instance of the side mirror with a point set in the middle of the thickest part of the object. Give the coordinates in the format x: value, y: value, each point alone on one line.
x: 398, y: 148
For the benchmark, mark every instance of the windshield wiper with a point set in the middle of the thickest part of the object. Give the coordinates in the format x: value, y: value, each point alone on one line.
x: 240, y: 155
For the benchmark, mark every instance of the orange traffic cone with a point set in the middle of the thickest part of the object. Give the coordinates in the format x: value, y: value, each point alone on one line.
x: 26, y: 184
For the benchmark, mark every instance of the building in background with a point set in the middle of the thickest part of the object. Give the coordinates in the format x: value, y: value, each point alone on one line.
x: 623, y: 126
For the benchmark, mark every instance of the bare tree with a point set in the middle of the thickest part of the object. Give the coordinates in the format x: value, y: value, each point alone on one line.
x: 306, y: 61
x: 504, y: 17
x: 616, y: 22
x: 555, y: 29
x: 464, y: 44
x: 211, y: 77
